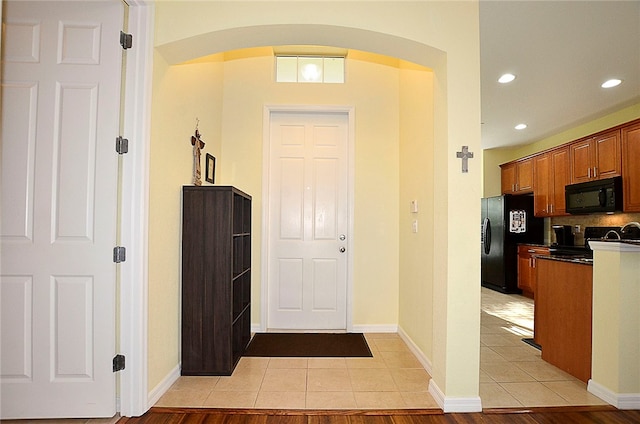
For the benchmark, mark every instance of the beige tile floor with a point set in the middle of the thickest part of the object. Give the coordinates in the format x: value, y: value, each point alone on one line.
x: 512, y: 373
x: 393, y: 378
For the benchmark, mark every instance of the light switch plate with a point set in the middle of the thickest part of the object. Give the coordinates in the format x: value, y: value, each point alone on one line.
x: 414, y: 206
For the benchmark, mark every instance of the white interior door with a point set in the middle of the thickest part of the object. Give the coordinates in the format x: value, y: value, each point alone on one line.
x: 308, y: 221
x: 60, y: 112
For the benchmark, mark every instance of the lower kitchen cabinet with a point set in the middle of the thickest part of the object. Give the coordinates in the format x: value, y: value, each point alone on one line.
x: 527, y: 268
x: 563, y: 310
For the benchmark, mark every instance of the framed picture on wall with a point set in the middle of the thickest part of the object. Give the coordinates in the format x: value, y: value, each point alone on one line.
x: 210, y: 169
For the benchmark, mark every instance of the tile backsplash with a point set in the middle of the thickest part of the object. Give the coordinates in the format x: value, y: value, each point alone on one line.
x: 596, y: 220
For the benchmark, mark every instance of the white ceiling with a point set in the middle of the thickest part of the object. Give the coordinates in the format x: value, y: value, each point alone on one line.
x: 560, y: 51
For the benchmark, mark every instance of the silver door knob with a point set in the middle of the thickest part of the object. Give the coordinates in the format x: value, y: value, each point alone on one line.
x: 342, y: 249
x: 342, y: 237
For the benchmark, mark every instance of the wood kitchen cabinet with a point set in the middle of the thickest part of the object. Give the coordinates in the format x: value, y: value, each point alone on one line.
x: 563, y: 312
x: 216, y: 279
x: 517, y: 177
x: 527, y: 268
x: 597, y: 157
x: 631, y: 168
x: 551, y: 175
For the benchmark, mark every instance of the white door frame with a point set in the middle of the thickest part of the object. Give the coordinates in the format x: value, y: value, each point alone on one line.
x: 134, y: 399
x: 266, y: 167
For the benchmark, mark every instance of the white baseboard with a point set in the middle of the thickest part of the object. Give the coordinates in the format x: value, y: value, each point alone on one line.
x: 619, y: 400
x: 381, y: 328
x: 163, y: 386
x: 426, y: 363
x: 450, y: 404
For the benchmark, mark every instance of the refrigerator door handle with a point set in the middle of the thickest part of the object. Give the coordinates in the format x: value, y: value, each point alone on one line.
x: 486, y: 235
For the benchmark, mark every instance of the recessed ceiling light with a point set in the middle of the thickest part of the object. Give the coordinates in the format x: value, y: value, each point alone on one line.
x: 520, y: 126
x: 611, y: 83
x: 506, y: 78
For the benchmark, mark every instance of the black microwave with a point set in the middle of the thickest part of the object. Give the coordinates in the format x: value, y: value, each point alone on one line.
x: 598, y: 196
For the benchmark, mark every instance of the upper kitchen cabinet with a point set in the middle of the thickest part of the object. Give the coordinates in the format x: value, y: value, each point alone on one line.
x: 517, y: 177
x: 630, y: 168
x: 551, y: 174
x: 594, y: 158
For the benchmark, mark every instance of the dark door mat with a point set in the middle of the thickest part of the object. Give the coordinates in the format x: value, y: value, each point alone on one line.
x: 308, y: 345
x: 530, y: 342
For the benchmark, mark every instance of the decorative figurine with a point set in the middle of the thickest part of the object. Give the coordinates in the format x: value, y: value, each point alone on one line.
x: 197, y: 144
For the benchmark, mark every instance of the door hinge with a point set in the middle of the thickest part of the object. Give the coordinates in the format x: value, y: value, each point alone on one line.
x: 126, y: 40
x: 119, y: 254
x: 118, y: 363
x: 122, y: 145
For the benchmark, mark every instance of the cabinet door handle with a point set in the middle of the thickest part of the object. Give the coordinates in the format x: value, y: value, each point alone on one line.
x: 531, y: 251
x: 595, y: 171
x: 589, y: 173
x: 551, y: 208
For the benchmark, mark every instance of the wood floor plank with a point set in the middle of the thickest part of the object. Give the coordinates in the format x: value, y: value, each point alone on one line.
x: 328, y: 419
x: 287, y: 419
x: 371, y: 419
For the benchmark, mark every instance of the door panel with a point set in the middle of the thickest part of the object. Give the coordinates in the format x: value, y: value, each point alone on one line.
x: 308, y: 213
x: 20, y: 121
x: 74, y: 161
x: 541, y: 185
x: 61, y: 74
x: 581, y: 159
x: 561, y: 178
x: 608, y: 151
x: 291, y: 198
x: 17, y: 300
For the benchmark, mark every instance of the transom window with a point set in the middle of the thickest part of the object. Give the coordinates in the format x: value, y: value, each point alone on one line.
x: 310, y: 69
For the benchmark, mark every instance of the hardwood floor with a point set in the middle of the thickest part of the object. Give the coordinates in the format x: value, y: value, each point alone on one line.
x: 576, y: 415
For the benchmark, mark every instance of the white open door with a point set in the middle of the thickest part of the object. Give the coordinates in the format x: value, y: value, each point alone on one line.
x: 308, y: 221
x: 60, y: 113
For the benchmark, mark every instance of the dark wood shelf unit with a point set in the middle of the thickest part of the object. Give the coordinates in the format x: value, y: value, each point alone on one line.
x: 216, y: 278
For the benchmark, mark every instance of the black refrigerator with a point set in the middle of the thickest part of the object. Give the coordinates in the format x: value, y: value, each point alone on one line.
x: 506, y: 221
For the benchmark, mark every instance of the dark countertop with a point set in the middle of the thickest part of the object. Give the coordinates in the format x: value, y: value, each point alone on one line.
x: 575, y: 259
x: 534, y: 245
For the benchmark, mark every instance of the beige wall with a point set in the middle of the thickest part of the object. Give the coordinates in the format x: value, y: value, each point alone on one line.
x: 494, y: 157
x: 440, y: 35
x: 416, y: 183
x: 249, y: 86
x: 180, y: 95
x: 234, y: 134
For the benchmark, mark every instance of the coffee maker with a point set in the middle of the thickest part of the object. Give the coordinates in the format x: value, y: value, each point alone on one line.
x: 563, y: 234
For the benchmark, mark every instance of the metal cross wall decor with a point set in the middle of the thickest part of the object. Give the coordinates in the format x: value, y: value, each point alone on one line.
x: 465, y: 155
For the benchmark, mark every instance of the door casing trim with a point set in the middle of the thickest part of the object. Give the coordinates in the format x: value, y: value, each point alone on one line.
x: 133, y: 298
x: 266, y: 167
